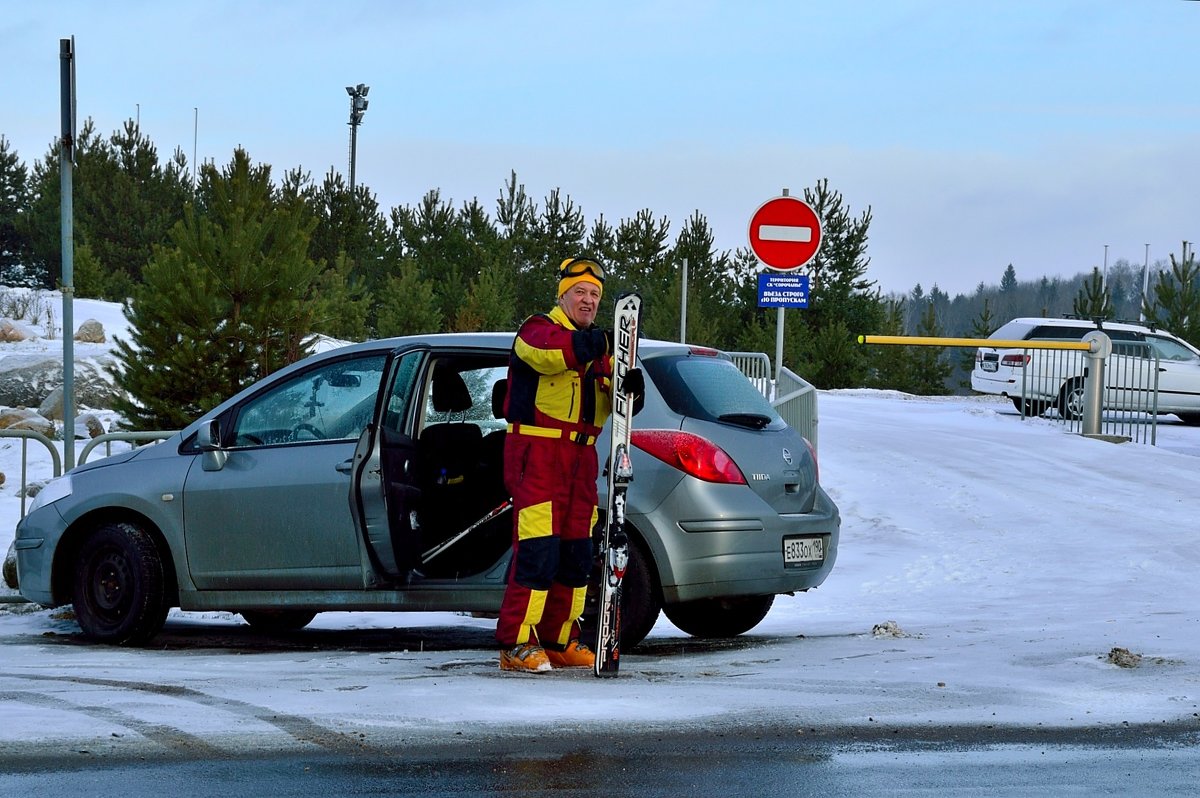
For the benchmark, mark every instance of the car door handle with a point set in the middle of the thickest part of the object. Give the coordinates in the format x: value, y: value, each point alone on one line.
x: 344, y: 466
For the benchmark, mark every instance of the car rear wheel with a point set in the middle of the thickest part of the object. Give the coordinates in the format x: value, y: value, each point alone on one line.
x: 278, y: 620
x: 1070, y: 400
x: 719, y: 617
x: 1030, y: 408
x: 120, y: 586
x: 640, y: 599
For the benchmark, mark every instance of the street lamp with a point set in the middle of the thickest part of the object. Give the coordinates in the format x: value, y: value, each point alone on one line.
x: 358, y: 107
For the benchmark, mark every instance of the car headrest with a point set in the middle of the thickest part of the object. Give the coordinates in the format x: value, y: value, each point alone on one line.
x: 450, y: 394
x: 499, y: 390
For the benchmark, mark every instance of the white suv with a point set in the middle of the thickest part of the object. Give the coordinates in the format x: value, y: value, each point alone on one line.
x: 1143, y: 359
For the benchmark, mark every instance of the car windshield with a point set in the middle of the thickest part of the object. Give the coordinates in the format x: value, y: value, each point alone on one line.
x: 711, y: 389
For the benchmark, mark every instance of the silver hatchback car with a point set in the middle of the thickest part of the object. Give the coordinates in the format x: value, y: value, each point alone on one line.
x: 369, y: 478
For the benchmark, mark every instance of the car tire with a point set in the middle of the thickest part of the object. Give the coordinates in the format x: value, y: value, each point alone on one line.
x: 276, y: 621
x: 1070, y: 400
x: 641, y: 600
x: 1030, y: 408
x: 119, y: 586
x: 719, y: 617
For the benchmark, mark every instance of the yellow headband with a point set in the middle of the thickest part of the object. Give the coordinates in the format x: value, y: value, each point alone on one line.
x: 565, y: 283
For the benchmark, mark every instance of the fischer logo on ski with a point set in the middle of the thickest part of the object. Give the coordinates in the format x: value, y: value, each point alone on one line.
x: 614, y: 543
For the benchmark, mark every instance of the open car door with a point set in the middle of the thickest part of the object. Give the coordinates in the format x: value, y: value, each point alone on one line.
x: 384, y: 492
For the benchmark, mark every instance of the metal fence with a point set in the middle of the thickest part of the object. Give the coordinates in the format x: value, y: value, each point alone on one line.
x: 791, y: 395
x: 1053, y: 382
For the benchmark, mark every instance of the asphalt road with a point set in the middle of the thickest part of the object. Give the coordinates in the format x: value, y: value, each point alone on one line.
x: 735, y: 762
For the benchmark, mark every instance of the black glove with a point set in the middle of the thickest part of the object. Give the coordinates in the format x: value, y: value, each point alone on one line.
x: 598, y: 342
x: 634, y: 383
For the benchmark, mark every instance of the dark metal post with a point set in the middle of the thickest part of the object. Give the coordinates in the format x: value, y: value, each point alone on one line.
x: 66, y: 158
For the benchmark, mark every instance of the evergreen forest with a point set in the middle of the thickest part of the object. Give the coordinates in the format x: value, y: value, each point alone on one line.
x: 226, y: 270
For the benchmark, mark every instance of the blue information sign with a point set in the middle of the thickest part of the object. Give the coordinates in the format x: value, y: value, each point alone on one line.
x: 782, y: 290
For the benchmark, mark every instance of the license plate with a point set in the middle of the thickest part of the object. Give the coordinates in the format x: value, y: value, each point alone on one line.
x: 989, y: 365
x: 803, y: 551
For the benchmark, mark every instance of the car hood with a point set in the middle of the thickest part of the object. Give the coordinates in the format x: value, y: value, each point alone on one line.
x: 147, y: 450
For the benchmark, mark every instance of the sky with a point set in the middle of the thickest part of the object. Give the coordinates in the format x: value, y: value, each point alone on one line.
x: 1003, y: 562
x: 1055, y: 136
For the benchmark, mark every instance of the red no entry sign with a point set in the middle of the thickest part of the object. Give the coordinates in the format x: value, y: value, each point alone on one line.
x: 785, y: 233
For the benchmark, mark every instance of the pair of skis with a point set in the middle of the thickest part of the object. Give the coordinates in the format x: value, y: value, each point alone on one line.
x: 614, y: 542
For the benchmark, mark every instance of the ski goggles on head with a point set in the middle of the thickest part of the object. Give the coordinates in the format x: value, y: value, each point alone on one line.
x: 576, y: 267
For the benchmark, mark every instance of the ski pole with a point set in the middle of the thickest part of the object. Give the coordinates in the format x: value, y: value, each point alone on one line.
x: 445, y: 544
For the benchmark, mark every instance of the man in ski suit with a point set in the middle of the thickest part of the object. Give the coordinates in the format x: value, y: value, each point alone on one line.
x: 559, y: 382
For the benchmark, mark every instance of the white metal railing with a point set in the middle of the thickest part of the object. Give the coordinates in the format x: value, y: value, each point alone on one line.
x: 791, y: 395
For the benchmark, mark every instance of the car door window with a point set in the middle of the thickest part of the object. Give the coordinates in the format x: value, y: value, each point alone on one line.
x: 1170, y: 350
x: 332, y: 402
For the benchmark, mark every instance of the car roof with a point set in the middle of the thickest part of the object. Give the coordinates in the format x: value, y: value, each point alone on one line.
x: 1099, y: 324
x: 497, y: 340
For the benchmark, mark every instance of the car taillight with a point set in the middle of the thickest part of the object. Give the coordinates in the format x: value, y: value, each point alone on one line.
x: 691, y: 454
x: 816, y: 466
x: 1014, y: 361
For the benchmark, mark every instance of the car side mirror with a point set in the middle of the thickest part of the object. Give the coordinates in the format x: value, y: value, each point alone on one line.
x: 208, y: 440
x: 208, y: 437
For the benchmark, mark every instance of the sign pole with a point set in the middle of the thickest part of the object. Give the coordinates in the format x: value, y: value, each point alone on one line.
x: 779, y: 334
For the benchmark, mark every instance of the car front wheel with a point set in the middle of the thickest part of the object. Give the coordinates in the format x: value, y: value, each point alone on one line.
x: 120, y: 586
x: 719, y: 617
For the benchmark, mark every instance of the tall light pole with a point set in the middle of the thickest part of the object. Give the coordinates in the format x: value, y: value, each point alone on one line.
x: 358, y: 107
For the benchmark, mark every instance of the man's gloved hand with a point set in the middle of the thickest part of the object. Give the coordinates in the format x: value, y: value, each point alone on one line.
x: 600, y: 341
x: 634, y: 383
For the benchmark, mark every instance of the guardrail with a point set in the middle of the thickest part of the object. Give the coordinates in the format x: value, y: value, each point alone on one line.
x: 791, y: 395
x: 26, y: 436
x: 130, y: 437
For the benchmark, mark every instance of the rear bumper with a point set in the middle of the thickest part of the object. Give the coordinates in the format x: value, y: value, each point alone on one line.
x: 736, y: 549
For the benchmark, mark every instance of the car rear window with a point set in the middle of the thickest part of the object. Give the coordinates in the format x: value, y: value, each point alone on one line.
x: 711, y: 389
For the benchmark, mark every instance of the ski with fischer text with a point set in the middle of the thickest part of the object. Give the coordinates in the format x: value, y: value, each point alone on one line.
x: 614, y: 543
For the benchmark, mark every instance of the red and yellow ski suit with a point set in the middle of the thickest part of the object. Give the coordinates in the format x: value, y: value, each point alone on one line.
x: 559, y: 380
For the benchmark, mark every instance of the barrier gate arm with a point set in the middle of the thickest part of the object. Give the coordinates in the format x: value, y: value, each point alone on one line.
x: 1095, y: 344
x: 917, y: 340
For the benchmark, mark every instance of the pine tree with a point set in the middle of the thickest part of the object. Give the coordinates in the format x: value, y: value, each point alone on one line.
x: 930, y: 365
x: 407, y: 303
x: 842, y: 300
x: 982, y: 326
x: 1176, y: 304
x: 226, y: 304
x: 490, y: 304
x: 891, y: 367
x: 1008, y: 282
x: 1093, y: 300
x: 14, y: 202
x: 640, y: 261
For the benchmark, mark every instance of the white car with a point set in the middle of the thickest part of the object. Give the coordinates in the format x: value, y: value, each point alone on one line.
x: 1144, y: 359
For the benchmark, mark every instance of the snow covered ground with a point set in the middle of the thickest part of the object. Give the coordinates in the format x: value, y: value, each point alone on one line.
x: 992, y: 572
